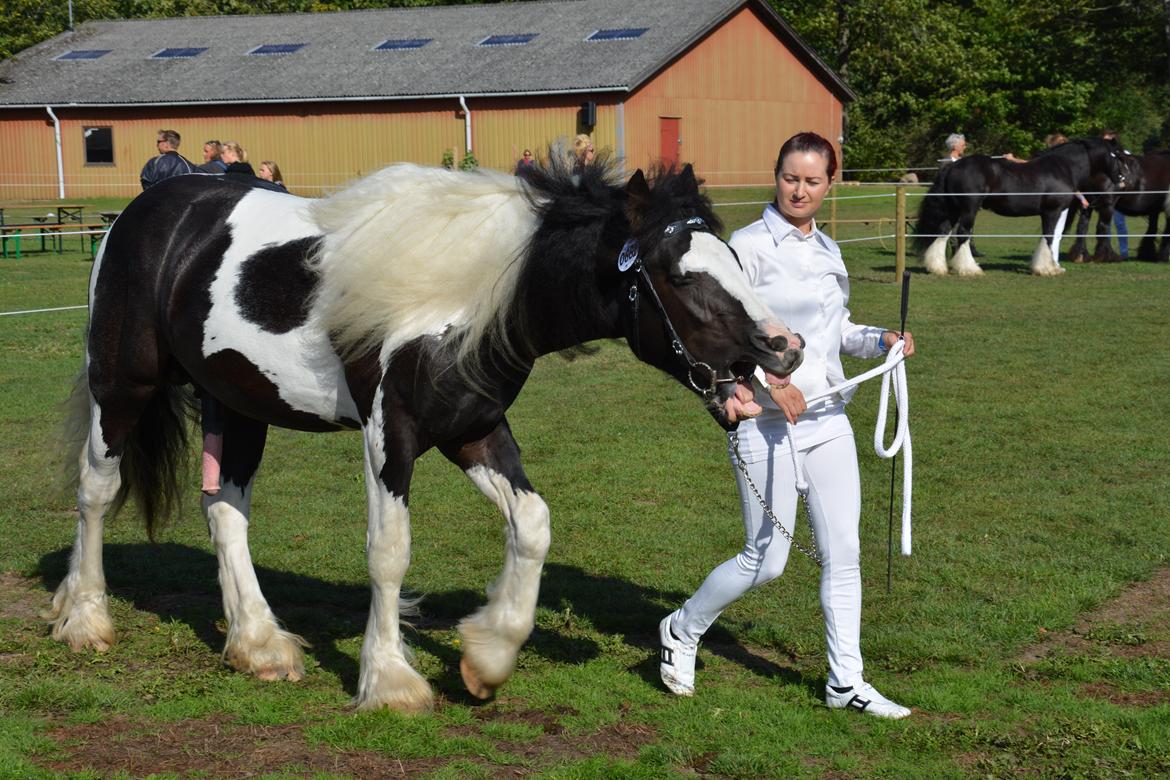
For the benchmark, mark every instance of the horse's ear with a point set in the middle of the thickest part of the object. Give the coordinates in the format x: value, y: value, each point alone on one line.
x: 638, y: 197
x: 687, y: 178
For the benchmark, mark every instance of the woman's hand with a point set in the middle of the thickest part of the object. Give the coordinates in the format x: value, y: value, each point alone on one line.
x: 890, y: 338
x: 789, y: 399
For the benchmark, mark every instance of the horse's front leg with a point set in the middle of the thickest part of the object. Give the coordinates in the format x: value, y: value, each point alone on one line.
x: 1044, y: 257
x: 1103, y: 251
x: 1077, y: 252
x: 386, y: 678
x: 256, y: 643
x: 493, y: 635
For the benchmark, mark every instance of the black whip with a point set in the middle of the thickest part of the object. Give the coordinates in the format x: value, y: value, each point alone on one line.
x: 894, y: 460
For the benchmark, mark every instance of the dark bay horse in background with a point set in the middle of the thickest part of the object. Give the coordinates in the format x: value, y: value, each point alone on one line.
x: 412, y: 306
x: 1101, y: 173
x: 1042, y: 186
x: 1152, y: 183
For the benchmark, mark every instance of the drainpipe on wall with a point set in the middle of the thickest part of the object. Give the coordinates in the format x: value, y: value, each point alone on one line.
x: 466, y: 122
x: 60, y: 168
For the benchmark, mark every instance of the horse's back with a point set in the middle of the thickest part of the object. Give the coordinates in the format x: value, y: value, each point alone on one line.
x: 208, y: 277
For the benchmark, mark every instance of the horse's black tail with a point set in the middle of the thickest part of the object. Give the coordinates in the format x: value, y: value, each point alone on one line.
x: 934, y: 217
x: 155, y: 454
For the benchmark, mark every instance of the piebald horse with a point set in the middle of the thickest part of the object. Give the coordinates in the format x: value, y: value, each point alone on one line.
x: 410, y: 305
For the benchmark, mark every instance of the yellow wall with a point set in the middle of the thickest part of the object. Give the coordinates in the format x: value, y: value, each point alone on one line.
x: 739, y: 93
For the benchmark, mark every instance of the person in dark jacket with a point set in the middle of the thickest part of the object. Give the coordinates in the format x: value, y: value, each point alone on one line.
x: 168, y: 163
x: 236, y: 158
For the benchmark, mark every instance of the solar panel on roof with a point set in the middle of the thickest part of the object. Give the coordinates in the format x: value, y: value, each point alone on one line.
x: 178, y: 52
x: 83, y: 54
x: 619, y: 34
x: 507, y: 40
x: 402, y: 43
x: 277, y: 48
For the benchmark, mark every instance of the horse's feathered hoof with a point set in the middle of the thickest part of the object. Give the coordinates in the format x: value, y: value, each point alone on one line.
x: 475, y: 686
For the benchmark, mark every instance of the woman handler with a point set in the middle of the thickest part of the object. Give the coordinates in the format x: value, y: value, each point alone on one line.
x: 798, y: 272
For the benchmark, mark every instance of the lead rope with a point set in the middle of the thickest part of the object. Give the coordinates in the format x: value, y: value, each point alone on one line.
x: 894, y: 364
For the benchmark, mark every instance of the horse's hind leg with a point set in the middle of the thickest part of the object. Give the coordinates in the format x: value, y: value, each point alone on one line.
x: 256, y: 643
x: 80, y: 613
x: 493, y: 635
x: 962, y: 260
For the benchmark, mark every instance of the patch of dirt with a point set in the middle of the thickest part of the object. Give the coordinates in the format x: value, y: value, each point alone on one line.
x: 1118, y: 626
x: 221, y: 748
x: 21, y: 597
x: 214, y: 748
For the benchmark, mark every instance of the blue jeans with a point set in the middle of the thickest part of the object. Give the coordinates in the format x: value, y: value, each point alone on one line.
x: 1122, y: 233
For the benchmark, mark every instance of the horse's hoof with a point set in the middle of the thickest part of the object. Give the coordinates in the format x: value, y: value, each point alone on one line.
x: 475, y: 686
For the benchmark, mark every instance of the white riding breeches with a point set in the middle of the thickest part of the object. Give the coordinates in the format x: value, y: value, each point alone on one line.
x: 830, y: 469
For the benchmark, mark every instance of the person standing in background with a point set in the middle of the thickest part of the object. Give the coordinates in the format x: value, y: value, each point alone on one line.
x: 235, y: 158
x: 1119, y: 218
x: 211, y: 161
x: 167, y: 163
x: 270, y: 172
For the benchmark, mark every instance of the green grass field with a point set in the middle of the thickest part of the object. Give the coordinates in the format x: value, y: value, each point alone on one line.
x: 1030, y: 630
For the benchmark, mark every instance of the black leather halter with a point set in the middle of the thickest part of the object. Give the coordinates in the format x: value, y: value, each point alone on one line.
x: 700, y: 375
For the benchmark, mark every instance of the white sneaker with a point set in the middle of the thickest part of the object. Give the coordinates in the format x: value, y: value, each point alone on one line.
x: 677, y: 667
x: 864, y: 698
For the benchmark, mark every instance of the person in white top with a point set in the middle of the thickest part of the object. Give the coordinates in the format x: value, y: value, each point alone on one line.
x: 797, y: 270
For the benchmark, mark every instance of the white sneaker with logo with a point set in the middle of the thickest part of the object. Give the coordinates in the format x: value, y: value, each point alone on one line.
x: 677, y: 661
x: 864, y: 698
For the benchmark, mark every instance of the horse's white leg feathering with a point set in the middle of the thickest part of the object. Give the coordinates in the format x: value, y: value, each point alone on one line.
x: 493, y: 635
x: 935, y: 257
x: 1042, y: 261
x: 963, y: 261
x: 386, y: 678
x: 80, y: 612
x: 256, y: 644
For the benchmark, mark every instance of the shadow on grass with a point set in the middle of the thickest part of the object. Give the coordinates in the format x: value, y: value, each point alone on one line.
x: 179, y: 583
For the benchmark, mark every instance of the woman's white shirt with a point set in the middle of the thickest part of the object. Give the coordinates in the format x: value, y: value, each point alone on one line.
x: 803, y: 280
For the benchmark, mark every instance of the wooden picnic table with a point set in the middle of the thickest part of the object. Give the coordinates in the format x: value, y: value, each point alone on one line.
x: 66, y: 212
x: 11, y: 235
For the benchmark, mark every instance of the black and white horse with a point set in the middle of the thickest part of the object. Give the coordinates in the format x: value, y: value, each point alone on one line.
x: 1043, y: 187
x: 411, y: 305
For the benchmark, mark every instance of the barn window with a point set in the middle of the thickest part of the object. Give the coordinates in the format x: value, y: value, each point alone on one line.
x: 402, y: 43
x: 277, y: 48
x: 182, y: 52
x: 99, y: 145
x: 507, y: 40
x: 83, y: 54
x: 619, y: 34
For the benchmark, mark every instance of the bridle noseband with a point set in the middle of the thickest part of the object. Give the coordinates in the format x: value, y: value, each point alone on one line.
x: 701, y: 376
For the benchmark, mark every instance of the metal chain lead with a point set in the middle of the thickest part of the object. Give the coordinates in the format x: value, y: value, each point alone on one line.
x: 813, y: 554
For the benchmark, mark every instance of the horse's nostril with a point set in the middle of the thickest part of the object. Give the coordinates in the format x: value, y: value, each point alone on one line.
x: 778, y: 343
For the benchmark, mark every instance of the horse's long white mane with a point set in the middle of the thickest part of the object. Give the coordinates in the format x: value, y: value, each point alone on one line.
x: 410, y: 251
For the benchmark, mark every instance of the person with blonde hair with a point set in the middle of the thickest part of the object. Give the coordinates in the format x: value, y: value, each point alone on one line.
x: 235, y: 158
x: 270, y: 171
x: 583, y: 151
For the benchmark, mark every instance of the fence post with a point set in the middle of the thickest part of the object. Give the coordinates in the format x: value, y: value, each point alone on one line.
x: 833, y: 218
x: 899, y: 230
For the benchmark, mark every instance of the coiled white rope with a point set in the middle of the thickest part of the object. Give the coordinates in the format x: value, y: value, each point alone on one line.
x: 894, y: 366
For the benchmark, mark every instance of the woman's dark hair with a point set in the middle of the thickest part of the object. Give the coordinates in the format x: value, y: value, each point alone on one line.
x: 807, y: 142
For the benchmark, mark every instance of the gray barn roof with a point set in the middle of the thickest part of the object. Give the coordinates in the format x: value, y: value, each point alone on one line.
x: 339, y: 62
